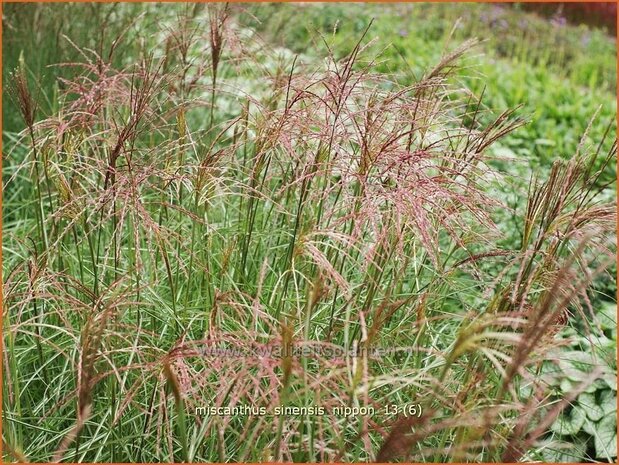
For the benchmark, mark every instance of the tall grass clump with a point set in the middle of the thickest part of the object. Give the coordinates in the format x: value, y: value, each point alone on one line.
x: 214, y: 224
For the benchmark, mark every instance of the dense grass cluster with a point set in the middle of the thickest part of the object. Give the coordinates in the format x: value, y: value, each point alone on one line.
x: 209, y: 221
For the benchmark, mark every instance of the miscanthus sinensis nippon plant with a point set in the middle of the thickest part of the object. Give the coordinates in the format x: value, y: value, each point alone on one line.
x: 181, y: 222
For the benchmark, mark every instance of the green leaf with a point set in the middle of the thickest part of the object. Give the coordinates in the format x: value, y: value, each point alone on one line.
x: 611, y: 381
x: 577, y: 365
x: 504, y: 152
x: 587, y: 402
x: 545, y: 142
x: 599, y: 341
x: 568, y: 424
x: 608, y: 401
x: 566, y: 385
x: 597, y: 385
x: 565, y: 452
x: 607, y: 315
x: 606, y: 438
x: 589, y: 427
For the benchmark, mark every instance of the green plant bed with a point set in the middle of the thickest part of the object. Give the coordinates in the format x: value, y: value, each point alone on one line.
x: 217, y: 249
